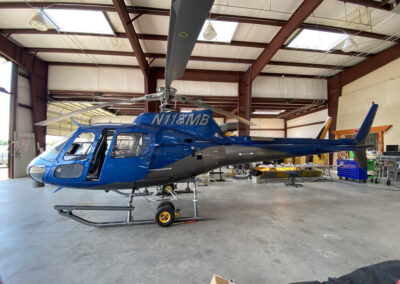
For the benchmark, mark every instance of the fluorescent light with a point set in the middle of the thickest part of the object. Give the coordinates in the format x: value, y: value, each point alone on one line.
x: 224, y: 30
x: 79, y: 21
x: 319, y: 40
x: 269, y: 111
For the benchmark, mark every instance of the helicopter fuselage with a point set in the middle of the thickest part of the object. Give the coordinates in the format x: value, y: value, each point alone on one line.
x: 160, y: 149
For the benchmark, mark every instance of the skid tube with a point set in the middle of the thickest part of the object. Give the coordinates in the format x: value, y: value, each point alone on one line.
x: 67, y: 211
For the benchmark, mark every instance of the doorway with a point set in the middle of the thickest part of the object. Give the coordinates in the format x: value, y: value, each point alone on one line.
x: 5, y: 90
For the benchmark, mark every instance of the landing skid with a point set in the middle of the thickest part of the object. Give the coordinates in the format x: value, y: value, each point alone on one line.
x: 67, y: 211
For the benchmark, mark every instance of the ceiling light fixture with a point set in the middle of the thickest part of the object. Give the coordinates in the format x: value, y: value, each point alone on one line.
x: 38, y: 22
x: 209, y: 33
x: 349, y: 44
x: 218, y: 31
x: 269, y: 111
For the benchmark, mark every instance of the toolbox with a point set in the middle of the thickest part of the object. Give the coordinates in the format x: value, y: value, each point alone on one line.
x: 350, y: 170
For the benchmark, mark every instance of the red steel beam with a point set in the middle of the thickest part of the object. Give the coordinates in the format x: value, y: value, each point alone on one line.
x: 244, y: 102
x: 20, y: 57
x: 208, y: 72
x: 165, y: 12
x: 369, y: 65
x: 152, y: 37
x: 194, y: 58
x: 131, y: 33
x: 294, y: 22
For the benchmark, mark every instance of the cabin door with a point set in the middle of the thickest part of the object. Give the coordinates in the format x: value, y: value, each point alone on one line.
x: 128, y: 159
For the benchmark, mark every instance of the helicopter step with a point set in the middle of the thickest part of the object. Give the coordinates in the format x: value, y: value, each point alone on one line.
x: 166, y: 213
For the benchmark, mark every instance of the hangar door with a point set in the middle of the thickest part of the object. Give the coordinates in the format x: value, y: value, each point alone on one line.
x: 21, y: 129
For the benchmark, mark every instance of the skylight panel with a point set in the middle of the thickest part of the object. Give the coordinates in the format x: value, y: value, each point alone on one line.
x: 79, y: 21
x: 224, y: 30
x: 319, y: 40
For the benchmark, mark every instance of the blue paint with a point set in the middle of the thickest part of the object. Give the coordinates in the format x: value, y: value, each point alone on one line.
x: 167, y: 140
x: 59, y: 188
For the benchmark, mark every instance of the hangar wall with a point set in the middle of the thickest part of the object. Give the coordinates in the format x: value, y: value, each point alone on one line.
x: 307, y: 126
x: 380, y: 86
x: 23, y: 140
x: 95, y: 79
x: 288, y: 87
x: 131, y: 80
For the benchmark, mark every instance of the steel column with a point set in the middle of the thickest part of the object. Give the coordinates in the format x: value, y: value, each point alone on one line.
x: 13, y: 119
x: 151, y: 87
x: 244, y: 101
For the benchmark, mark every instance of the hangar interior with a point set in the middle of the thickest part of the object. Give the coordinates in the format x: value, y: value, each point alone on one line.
x: 284, y: 65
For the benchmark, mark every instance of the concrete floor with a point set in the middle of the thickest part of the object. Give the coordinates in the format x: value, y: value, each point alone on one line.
x: 265, y: 233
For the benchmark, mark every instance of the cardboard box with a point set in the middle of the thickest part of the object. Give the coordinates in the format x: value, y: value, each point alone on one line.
x: 220, y: 280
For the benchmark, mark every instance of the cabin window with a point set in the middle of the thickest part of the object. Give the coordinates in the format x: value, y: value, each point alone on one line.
x: 80, y: 148
x: 127, y: 145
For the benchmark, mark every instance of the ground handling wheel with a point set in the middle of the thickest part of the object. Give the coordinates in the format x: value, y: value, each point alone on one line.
x: 165, y: 216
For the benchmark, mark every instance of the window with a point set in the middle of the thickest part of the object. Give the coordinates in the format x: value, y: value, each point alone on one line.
x: 79, y: 21
x: 80, y: 148
x: 127, y: 145
x: 319, y: 40
x: 52, y: 153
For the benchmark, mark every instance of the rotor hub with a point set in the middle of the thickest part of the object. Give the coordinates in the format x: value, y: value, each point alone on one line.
x: 166, y: 95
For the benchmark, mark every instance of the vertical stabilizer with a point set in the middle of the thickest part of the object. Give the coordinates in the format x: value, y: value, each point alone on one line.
x: 366, y: 125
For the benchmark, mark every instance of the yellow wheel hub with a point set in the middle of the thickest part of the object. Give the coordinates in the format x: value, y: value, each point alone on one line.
x: 164, y: 217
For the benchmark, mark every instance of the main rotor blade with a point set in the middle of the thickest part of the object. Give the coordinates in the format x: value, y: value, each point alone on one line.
x: 215, y: 109
x: 70, y: 114
x: 186, y: 20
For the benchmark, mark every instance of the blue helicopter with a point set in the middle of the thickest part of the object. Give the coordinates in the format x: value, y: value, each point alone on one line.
x: 167, y: 147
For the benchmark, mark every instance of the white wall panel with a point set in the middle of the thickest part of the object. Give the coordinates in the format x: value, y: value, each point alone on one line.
x: 113, y: 119
x: 380, y: 86
x: 95, y: 79
x: 267, y: 133
x: 309, y: 118
x: 24, y: 91
x: 203, y: 88
x: 285, y: 87
x: 267, y: 123
x: 23, y: 138
x: 309, y: 131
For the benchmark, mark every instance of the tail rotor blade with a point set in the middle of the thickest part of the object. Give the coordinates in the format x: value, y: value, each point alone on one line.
x: 215, y: 109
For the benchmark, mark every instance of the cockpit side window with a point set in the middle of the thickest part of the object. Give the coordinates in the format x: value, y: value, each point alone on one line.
x: 80, y: 147
x: 127, y: 145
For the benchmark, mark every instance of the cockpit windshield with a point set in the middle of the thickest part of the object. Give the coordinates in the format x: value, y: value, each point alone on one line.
x: 52, y: 153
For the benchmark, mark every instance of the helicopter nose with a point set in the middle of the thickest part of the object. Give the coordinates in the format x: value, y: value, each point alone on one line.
x: 36, y: 172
